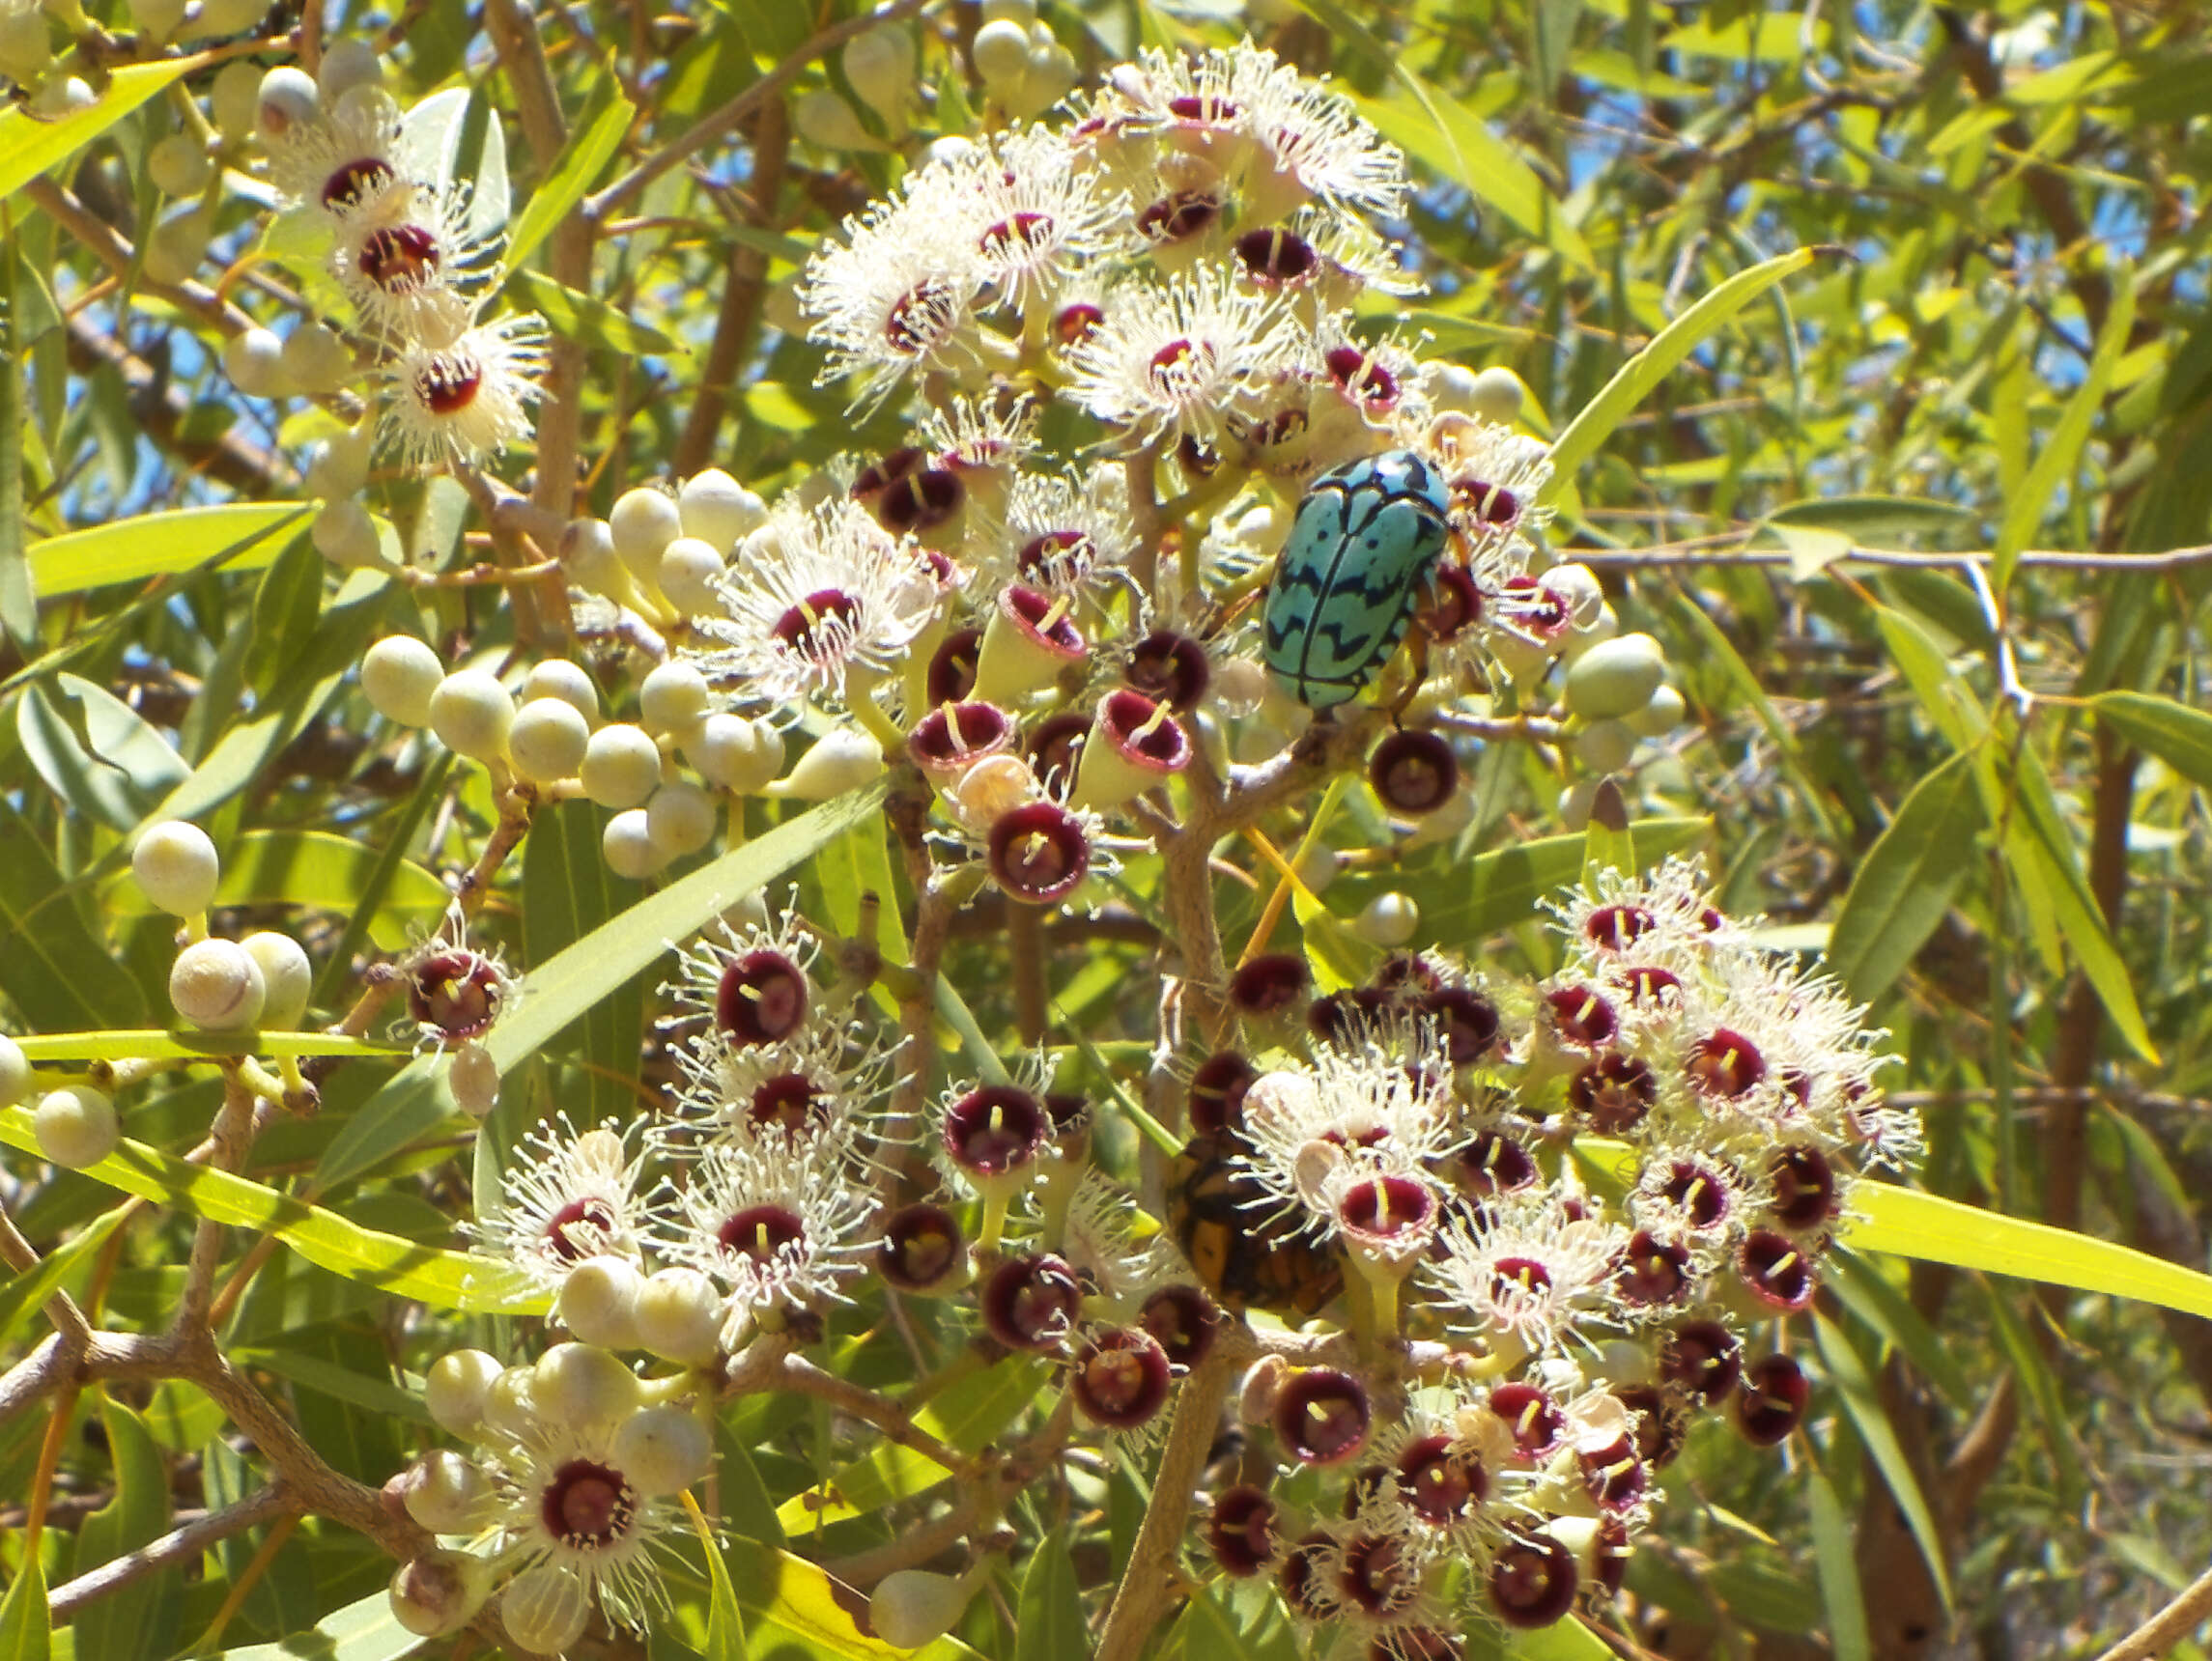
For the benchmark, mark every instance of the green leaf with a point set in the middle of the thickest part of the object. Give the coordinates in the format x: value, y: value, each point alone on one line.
x: 1905, y: 882
x: 400, y: 1268
x: 1637, y: 377
x: 1838, y: 1571
x: 572, y: 981
x: 406, y: 1108
x: 1928, y: 1226
x: 2177, y: 734
x: 1867, y: 1293
x: 318, y: 869
x: 18, y: 595
x: 237, y: 536
x: 590, y: 322
x: 2052, y: 870
x: 1049, y: 1622
x: 29, y: 146
x: 568, y: 890
x: 725, y: 1625
x: 1504, y: 888
x: 383, y: 875
x: 1213, y: 1627
x: 33, y: 1286
x: 53, y: 971
x: 2062, y: 452
x: 1863, y: 1403
x: 590, y: 146
x: 365, y: 1630
x: 378, y: 1396
x: 135, y: 1620
x: 26, y: 1630
x: 1566, y: 1639
x: 150, y: 1044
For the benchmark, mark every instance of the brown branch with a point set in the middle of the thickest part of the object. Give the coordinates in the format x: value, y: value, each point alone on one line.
x: 61, y: 1308
x: 2164, y: 1631
x: 738, y: 325
x: 180, y: 1545
x: 112, y: 249
x: 1149, y: 1586
x: 162, y: 409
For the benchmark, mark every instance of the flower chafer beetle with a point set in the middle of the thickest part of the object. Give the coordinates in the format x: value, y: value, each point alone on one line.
x: 1366, y: 537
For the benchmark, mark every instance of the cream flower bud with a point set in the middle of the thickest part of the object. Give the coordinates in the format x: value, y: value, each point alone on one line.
x: 621, y: 766
x: 679, y: 1315
x: 235, y: 99
x: 399, y: 675
x: 1605, y: 746
x: 254, y: 360
x: 843, y: 759
x: 176, y: 867
x: 546, y: 1609
x: 455, y: 1387
x: 473, y: 1078
x: 663, y: 1448
x: 444, y: 1491
x: 643, y: 521
x: 289, y: 98
x: 216, y: 985
x: 570, y: 683
x: 473, y: 714
x: 76, y: 1126
x: 717, y: 510
x: 628, y: 847
x: 286, y: 978
x: 315, y: 359
x: 15, y: 1072
x: 599, y: 1302
x: 673, y: 699
x: 1000, y: 53
x: 339, y: 465
x: 914, y: 1606
x: 438, y: 1593
x: 345, y: 534
x: 584, y: 1388
x: 688, y: 567
x: 679, y: 820
x: 180, y: 165
x: 548, y: 740
x: 736, y: 755
x: 348, y: 63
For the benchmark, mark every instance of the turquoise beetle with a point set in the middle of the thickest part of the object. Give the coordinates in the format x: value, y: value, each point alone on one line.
x: 1366, y: 537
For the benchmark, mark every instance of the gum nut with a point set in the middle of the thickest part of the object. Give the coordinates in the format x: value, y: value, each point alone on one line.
x: 348, y: 62
x: 254, y: 360
x: 673, y: 699
x: 473, y: 1078
x: 339, y: 465
x: 1576, y: 803
x: 843, y: 759
x: 1497, y: 395
x: 471, y: 714
x: 1579, y: 587
x: 688, y: 567
x: 548, y: 740
x: 178, y: 245
x: 546, y: 1609
x: 444, y: 1491
x: 1604, y: 627
x: 643, y: 521
x: 455, y: 1388
x: 679, y: 820
x: 1615, y: 677
x: 157, y: 20
x: 180, y: 165
x: 628, y: 847
x: 1605, y: 746
x: 76, y: 1126
x: 399, y: 676
x: 1318, y: 869
x: 570, y: 683
x: 679, y: 1313
x: 663, y: 1450
x: 286, y: 978
x: 581, y: 1385
x: 15, y: 1072
x: 234, y: 101
x: 717, y: 510
x: 880, y: 66
x: 1000, y: 53
x: 438, y: 1592
x: 344, y: 534
x: 317, y: 359
x: 736, y: 755
x: 1661, y: 716
x: 621, y: 766
x: 216, y: 985
x: 1388, y: 920
x: 177, y: 868
x: 289, y: 99
x: 824, y: 120
x: 599, y: 1302
x: 911, y: 1607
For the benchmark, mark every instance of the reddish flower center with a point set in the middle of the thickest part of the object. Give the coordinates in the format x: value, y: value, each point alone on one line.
x: 588, y: 1505
x: 1582, y: 1017
x: 1362, y: 378
x: 1440, y: 1484
x: 995, y: 1129
x: 1726, y: 1064
x: 1182, y: 367
x: 356, y: 182
x: 449, y: 383
x: 580, y: 1229
x: 761, y: 998
x: 921, y: 318
x: 1274, y: 255
x: 1177, y: 218
x: 790, y: 1100
x: 762, y: 1233
x: 821, y: 625
x: 399, y: 259
x: 1025, y: 233
x: 1616, y: 928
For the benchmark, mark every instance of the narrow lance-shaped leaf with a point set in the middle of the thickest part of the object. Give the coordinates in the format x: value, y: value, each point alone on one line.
x: 1905, y: 884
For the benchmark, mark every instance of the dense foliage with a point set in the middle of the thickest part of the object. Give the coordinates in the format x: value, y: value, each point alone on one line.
x: 1110, y: 829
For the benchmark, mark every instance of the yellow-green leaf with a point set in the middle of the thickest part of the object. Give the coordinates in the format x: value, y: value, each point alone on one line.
x: 237, y: 536
x: 28, y: 147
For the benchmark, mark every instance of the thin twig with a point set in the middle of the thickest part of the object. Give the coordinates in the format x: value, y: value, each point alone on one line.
x: 1149, y: 1587
x: 180, y: 1546
x: 2164, y: 1630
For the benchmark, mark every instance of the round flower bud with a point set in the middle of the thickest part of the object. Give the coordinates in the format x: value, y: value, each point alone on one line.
x: 1604, y: 626
x: 643, y: 521
x: 471, y: 715
x: 473, y: 1078
x: 443, y: 1490
x: 599, y: 1302
x: 584, y: 1386
x: 456, y: 1387
x: 177, y: 868
x: 236, y: 99
x: 736, y: 755
x: 286, y: 978
x: 717, y: 510
x: 216, y: 985
x: 880, y: 66
x: 344, y: 534
x: 315, y: 359
x: 76, y: 1126
x: 843, y: 759
x: 348, y: 62
x: 548, y: 740
x: 546, y: 1609
x: 289, y: 99
x: 157, y: 20
x: 587, y: 556
x: 509, y: 1411
x: 180, y: 165
x: 679, y: 1316
x: 1615, y: 677
x: 688, y: 568
x: 15, y: 1072
x: 679, y: 820
x: 628, y: 847
x: 1605, y: 746
x: 824, y: 120
x: 1576, y: 803
x: 621, y: 766
x: 438, y: 1593
x: 1661, y: 716
x: 254, y: 360
x: 911, y: 1607
x: 1497, y: 395
x: 673, y: 699
x: 177, y: 246
x: 663, y: 1450
x: 62, y: 96
x: 399, y: 674
x: 339, y: 465
x: 570, y: 683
